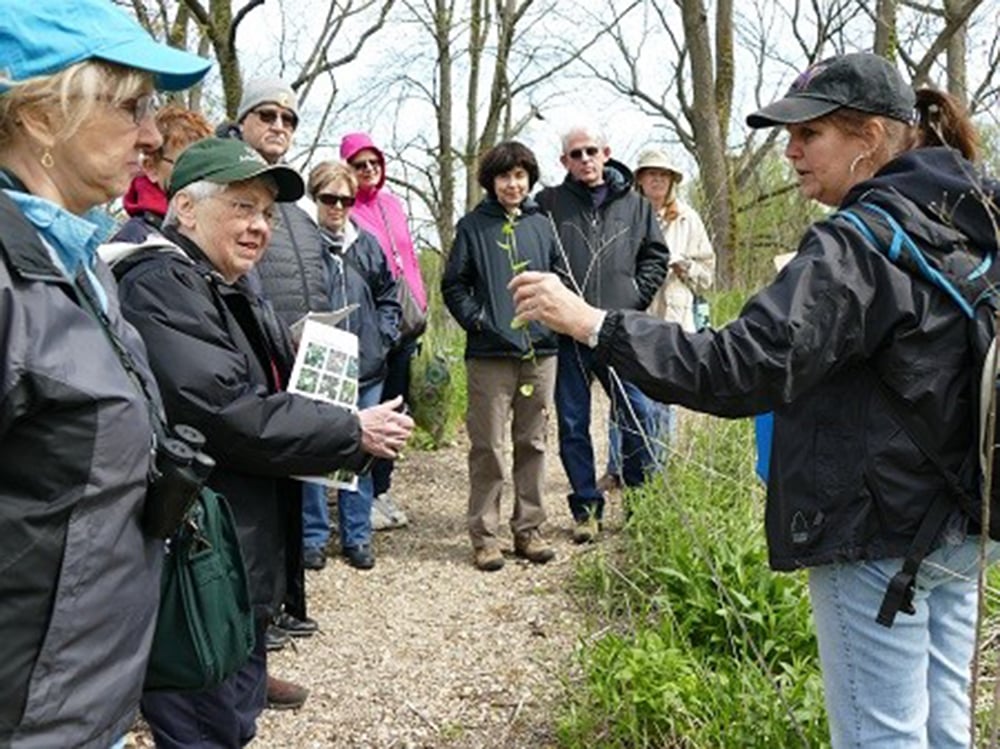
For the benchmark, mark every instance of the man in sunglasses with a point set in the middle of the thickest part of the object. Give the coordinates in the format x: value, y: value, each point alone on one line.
x: 617, y: 259
x: 292, y: 276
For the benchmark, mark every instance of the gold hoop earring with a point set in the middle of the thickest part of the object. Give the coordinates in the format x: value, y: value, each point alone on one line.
x: 47, y: 161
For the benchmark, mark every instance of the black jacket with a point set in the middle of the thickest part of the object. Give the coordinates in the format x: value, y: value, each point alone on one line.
x: 846, y: 482
x: 221, y: 360
x: 79, y: 582
x: 292, y: 275
x: 478, y: 269
x: 615, y: 252
x: 359, y: 274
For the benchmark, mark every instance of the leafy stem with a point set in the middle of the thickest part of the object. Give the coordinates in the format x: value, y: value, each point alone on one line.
x: 508, y: 243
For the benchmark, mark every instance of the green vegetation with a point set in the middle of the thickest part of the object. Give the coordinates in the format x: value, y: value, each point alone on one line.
x: 704, y: 645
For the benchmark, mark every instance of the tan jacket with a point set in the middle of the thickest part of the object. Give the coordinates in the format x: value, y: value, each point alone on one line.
x: 689, y: 246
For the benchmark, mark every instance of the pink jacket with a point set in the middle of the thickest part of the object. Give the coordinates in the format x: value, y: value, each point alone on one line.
x: 381, y: 213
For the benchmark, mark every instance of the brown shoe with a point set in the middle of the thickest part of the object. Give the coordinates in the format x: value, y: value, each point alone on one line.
x: 609, y: 482
x: 587, y: 530
x: 285, y: 695
x: 532, y: 546
x: 489, y: 558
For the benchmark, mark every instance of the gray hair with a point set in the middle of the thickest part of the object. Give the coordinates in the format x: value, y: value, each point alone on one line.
x: 588, y: 129
x: 197, y: 191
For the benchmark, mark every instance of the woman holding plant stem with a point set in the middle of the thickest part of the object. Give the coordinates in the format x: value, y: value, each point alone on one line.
x: 869, y: 370
x: 510, y: 367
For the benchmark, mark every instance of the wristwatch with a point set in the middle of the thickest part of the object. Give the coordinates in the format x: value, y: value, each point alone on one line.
x: 595, y: 333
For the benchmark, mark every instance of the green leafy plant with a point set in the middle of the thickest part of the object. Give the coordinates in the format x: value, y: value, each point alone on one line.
x: 508, y: 243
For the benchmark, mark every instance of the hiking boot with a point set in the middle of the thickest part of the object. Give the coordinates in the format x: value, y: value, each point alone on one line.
x: 532, y: 546
x: 387, y: 506
x: 489, y: 558
x: 609, y: 482
x: 285, y: 695
x: 587, y: 530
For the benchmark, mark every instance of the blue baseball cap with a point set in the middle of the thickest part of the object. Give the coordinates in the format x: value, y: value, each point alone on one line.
x: 42, y: 37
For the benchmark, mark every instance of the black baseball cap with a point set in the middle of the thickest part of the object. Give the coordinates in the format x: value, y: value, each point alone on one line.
x: 227, y: 160
x: 861, y: 81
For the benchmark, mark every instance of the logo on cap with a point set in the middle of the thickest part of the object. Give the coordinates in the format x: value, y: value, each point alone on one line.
x: 806, y: 77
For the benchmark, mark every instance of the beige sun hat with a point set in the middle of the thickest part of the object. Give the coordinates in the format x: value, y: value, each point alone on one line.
x: 653, y: 158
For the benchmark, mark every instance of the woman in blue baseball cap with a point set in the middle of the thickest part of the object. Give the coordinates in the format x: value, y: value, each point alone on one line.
x: 78, y: 579
x: 869, y: 370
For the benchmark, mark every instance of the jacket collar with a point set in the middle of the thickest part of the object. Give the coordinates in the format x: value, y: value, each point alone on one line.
x: 23, y: 249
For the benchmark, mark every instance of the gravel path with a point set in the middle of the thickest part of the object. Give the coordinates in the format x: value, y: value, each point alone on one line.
x: 426, y: 651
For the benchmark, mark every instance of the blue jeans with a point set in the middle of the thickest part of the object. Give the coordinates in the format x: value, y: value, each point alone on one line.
x: 354, y: 509
x: 315, y: 516
x: 662, y: 427
x: 577, y: 369
x: 904, y: 686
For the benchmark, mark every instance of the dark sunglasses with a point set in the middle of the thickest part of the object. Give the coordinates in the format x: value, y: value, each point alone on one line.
x: 362, y: 164
x: 331, y: 199
x: 270, y: 116
x: 577, y: 153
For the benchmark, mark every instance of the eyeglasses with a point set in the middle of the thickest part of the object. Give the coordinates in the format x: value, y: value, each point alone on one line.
x: 331, y: 199
x: 577, y: 153
x: 271, y: 116
x: 361, y: 164
x: 248, y: 211
x: 139, y: 108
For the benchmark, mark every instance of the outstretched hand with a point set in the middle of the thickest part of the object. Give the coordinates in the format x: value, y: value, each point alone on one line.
x: 384, y: 429
x: 544, y: 298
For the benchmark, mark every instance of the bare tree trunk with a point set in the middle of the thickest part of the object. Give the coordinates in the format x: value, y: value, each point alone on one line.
x: 956, y: 53
x: 725, y: 67
x: 885, y: 28
x: 445, y: 217
x: 478, y: 30
x: 709, y: 146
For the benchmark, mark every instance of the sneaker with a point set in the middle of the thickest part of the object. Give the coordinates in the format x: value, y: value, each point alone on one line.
x: 532, y: 546
x: 388, y: 507
x: 359, y: 557
x: 285, y: 695
x: 489, y: 558
x: 275, y: 638
x: 313, y: 558
x: 609, y: 482
x: 380, y: 521
x: 587, y: 530
x: 294, y: 626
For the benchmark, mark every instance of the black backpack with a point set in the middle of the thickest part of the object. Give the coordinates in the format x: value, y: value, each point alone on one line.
x: 972, y: 281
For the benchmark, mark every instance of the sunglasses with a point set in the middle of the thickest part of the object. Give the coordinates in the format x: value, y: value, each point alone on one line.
x: 577, y: 153
x: 361, y: 164
x: 332, y: 199
x: 270, y: 116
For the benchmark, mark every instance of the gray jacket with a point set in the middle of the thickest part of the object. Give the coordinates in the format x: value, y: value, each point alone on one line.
x: 292, y: 275
x: 79, y: 583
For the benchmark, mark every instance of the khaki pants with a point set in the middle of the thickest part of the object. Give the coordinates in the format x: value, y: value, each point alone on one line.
x: 495, y: 394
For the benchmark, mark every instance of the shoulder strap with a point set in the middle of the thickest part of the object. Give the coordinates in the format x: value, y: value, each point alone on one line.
x: 85, y: 294
x: 891, y: 239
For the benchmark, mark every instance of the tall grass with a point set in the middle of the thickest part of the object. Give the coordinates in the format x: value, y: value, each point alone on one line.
x: 701, y: 645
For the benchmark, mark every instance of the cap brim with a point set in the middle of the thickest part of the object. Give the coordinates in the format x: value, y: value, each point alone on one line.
x: 791, y: 110
x: 172, y: 69
x: 291, y: 187
x: 287, y: 180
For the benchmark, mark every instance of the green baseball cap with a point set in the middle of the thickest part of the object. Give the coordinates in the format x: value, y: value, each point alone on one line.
x: 227, y: 160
